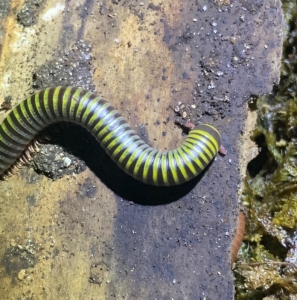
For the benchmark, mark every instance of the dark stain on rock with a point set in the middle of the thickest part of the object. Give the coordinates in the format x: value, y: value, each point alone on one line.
x: 17, y: 258
x: 70, y: 67
x: 31, y: 199
x: 28, y: 15
x: 87, y: 5
x: 4, y: 8
x: 252, y: 5
x: 88, y: 189
x: 56, y: 252
x: 227, y: 52
x: 187, y: 36
x: 98, y: 272
x: 154, y: 7
x: 167, y: 32
x: 185, y: 76
x: 31, y: 178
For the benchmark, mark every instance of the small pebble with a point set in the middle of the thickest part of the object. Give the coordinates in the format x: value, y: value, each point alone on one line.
x: 67, y: 162
x: 22, y: 275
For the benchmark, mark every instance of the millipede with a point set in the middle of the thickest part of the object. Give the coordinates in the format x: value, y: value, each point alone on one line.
x: 108, y: 126
x: 238, y: 238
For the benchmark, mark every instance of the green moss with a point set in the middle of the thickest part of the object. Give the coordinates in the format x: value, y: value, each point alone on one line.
x: 266, y: 268
x: 287, y: 214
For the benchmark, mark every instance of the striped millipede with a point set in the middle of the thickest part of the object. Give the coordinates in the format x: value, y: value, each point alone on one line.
x: 237, y: 240
x: 120, y: 141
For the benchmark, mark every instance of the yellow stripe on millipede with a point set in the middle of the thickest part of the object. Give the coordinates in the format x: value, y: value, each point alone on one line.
x: 25, y: 115
x: 135, y: 154
x: 112, y: 134
x: 102, y: 120
x: 156, y: 167
x: 147, y: 164
x: 202, y: 149
x: 65, y: 100
x: 107, y: 129
x: 94, y: 117
x: 9, y: 144
x: 55, y: 100
x: 46, y: 106
x: 203, y: 133
x: 188, y: 149
x: 180, y: 164
x: 116, y: 139
x: 34, y: 114
x: 81, y: 106
x: 140, y: 160
x: 164, y: 168
x: 88, y: 111
x: 13, y: 137
x: 121, y: 146
x: 73, y: 103
x: 39, y: 109
x: 17, y: 129
x: 187, y: 161
x: 172, y: 167
x: 130, y: 146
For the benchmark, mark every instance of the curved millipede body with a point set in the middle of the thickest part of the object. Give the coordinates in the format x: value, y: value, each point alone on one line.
x: 237, y: 240
x: 123, y: 145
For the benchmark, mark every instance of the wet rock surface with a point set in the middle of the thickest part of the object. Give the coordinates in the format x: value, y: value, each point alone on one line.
x: 204, y: 57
